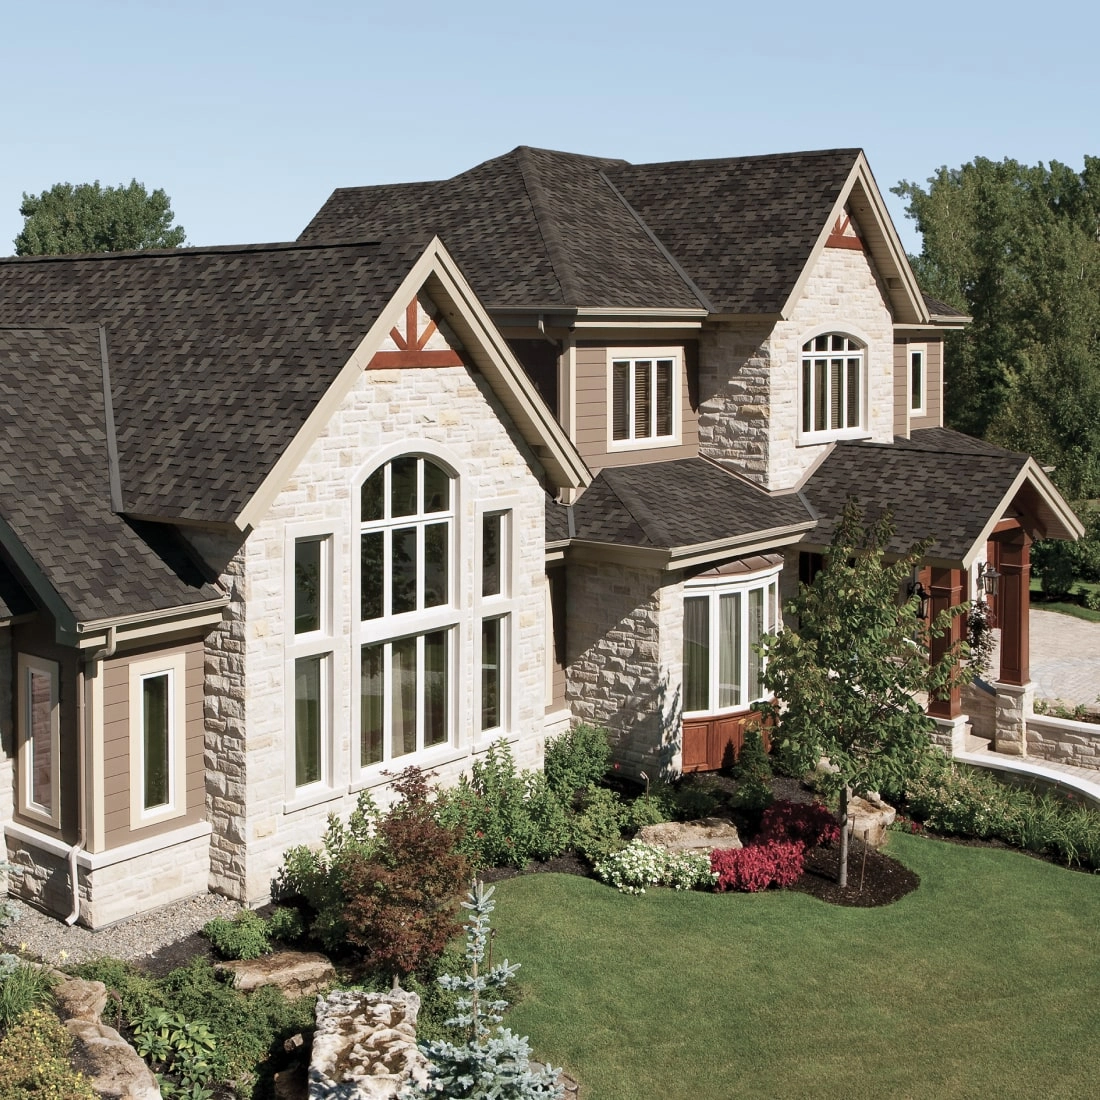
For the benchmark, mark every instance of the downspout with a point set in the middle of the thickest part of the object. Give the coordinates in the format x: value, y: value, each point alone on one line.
x: 84, y: 721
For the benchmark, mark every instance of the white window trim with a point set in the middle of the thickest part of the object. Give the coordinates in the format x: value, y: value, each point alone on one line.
x: 741, y: 584
x: 25, y: 665
x: 676, y: 354
x: 388, y: 628
x: 500, y: 606
x: 314, y: 643
x: 920, y: 409
x: 861, y: 430
x: 174, y: 665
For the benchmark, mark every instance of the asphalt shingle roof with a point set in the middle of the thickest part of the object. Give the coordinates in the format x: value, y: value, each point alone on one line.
x: 687, y: 502
x: 540, y: 228
x: 939, y: 484
x: 217, y: 356
x: 54, y: 484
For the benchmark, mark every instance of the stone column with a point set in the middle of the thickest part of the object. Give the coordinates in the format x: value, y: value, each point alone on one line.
x: 947, y: 592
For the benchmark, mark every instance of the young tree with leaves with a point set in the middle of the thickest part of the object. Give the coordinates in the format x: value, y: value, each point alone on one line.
x: 848, y: 670
x: 86, y: 217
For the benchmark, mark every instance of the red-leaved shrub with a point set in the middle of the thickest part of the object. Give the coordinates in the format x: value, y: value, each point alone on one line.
x: 809, y: 823
x: 758, y: 866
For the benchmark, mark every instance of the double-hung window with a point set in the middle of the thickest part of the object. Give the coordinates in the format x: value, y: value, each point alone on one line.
x: 725, y: 618
x: 643, y: 397
x: 407, y: 609
x: 495, y: 622
x: 310, y: 659
x: 158, y: 739
x: 833, y: 373
x: 39, y: 739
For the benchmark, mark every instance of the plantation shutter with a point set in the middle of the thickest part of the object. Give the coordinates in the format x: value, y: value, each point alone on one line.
x: 664, y: 397
x: 620, y: 401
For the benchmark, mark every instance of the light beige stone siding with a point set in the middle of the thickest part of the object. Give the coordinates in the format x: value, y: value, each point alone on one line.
x: 447, y: 413
x: 1063, y: 740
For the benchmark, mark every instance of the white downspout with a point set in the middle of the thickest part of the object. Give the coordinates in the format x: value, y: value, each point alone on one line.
x: 83, y: 722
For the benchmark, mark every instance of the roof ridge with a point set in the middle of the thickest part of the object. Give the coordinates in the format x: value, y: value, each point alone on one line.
x: 206, y: 250
x: 555, y: 246
x: 854, y: 151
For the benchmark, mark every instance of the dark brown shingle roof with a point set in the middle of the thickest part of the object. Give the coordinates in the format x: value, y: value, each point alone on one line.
x: 538, y: 228
x: 54, y: 488
x: 217, y: 356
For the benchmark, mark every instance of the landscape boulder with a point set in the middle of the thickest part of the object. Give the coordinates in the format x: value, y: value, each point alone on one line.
x: 296, y: 973
x: 868, y: 817
x: 691, y: 836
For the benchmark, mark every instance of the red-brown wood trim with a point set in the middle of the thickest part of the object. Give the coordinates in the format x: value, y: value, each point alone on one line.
x: 1015, y: 606
x: 838, y: 238
x: 1009, y: 524
x: 392, y: 360
x: 947, y: 592
x: 426, y: 335
x: 398, y: 339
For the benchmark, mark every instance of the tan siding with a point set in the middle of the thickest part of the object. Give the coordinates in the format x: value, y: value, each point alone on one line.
x: 933, y: 417
x: 116, y: 746
x: 901, y: 388
x: 592, y: 434
x: 557, y: 580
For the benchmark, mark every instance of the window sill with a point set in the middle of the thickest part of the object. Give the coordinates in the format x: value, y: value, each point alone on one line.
x: 311, y: 798
x: 378, y: 775
x: 617, y: 446
x: 816, y: 440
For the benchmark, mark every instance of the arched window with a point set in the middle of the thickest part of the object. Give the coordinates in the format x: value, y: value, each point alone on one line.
x: 833, y: 372
x: 407, y: 609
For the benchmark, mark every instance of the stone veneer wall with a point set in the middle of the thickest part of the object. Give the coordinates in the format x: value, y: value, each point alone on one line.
x: 452, y: 414
x: 749, y: 375
x: 625, y: 631
x: 1064, y: 740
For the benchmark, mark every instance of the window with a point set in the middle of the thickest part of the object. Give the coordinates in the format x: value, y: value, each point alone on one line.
x: 643, y: 398
x: 309, y: 659
x: 39, y: 739
x: 407, y: 609
x: 724, y: 618
x: 158, y: 734
x: 496, y: 621
x: 917, y: 380
x: 832, y: 387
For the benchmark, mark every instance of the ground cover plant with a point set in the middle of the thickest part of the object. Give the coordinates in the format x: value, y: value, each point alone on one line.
x: 751, y: 981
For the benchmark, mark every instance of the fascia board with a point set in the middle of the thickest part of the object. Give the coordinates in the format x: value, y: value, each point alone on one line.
x: 25, y: 563
x: 147, y: 624
x: 683, y: 557
x: 586, y: 550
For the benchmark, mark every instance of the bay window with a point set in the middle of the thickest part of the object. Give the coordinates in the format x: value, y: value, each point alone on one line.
x: 725, y: 617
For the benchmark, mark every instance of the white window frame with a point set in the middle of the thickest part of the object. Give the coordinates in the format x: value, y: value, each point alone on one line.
x: 28, y: 664
x: 389, y: 628
x: 499, y: 606
x: 917, y: 407
x: 633, y: 356
x: 307, y: 645
x: 174, y: 666
x: 713, y: 588
x: 858, y: 353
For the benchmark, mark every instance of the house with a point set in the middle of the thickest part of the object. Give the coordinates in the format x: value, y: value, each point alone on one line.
x: 472, y: 459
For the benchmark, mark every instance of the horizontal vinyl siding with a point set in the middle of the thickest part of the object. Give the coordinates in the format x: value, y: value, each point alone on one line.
x: 116, y: 746
x: 901, y: 389
x: 593, y: 433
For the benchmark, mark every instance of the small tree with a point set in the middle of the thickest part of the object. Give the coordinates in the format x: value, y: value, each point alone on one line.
x: 847, y: 675
x: 90, y: 218
x: 492, y: 1064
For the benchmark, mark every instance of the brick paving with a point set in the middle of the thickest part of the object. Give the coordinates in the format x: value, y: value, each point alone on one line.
x: 1065, y: 658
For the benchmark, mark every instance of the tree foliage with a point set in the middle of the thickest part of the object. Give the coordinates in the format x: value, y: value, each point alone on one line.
x: 849, y: 672
x: 1017, y: 248
x: 86, y: 217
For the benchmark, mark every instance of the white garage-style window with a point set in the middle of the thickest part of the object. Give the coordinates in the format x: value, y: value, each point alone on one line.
x: 832, y: 388
x: 643, y: 399
x: 727, y: 611
x: 407, y: 609
x: 39, y: 739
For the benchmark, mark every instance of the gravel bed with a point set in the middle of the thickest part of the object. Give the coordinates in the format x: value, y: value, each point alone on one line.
x: 51, y: 940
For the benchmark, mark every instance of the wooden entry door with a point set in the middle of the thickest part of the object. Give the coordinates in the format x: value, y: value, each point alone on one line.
x: 713, y: 743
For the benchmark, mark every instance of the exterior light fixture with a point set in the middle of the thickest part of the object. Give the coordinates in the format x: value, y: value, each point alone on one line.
x: 923, y: 595
x: 988, y: 579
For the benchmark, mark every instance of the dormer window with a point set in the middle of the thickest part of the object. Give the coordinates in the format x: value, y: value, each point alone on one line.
x: 643, y: 397
x: 833, y: 372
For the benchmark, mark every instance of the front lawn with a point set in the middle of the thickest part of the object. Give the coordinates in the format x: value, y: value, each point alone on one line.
x: 983, y: 982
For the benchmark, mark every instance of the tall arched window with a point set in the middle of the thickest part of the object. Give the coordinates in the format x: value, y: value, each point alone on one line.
x: 833, y: 372
x: 407, y: 608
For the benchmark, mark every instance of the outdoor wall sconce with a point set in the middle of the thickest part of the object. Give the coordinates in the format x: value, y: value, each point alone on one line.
x: 988, y: 579
x: 923, y: 595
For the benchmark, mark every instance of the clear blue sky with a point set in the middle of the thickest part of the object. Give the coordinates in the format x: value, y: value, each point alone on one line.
x: 248, y: 114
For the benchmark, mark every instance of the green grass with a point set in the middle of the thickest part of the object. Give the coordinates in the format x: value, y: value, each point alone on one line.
x: 983, y: 982
x: 1074, y: 609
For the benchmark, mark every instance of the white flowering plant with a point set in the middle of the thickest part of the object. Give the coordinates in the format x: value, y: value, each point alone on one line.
x: 638, y: 865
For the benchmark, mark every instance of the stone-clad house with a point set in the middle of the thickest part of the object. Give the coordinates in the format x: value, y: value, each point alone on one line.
x: 473, y: 459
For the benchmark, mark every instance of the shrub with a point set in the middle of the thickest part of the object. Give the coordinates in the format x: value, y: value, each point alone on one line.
x: 549, y: 819
x: 246, y: 936
x: 754, y: 772
x: 576, y: 760
x: 318, y: 876
x: 638, y: 865
x: 133, y: 991
x: 286, y: 924
x: 598, y: 826
x: 23, y: 987
x: 808, y: 823
x: 34, y: 1061
x: 402, y: 897
x: 646, y: 809
x: 758, y: 866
